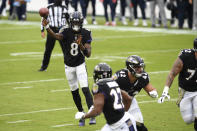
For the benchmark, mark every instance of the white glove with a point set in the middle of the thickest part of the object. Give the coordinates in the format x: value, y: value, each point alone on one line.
x: 153, y: 93
x: 91, y: 108
x: 164, y: 95
x: 79, y: 115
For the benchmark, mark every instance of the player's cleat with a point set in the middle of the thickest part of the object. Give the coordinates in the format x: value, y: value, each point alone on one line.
x: 92, y: 121
x: 42, y: 69
x: 82, y: 122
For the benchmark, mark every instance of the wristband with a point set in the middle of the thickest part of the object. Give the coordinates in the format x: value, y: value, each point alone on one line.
x: 47, y: 26
x: 166, y: 89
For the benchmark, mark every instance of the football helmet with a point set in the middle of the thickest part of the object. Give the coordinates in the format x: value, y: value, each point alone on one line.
x: 195, y: 45
x: 102, y: 70
x: 76, y: 21
x: 135, y: 65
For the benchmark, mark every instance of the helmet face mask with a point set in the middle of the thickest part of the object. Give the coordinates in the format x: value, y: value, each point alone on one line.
x: 135, y: 65
x: 76, y: 21
x: 102, y: 70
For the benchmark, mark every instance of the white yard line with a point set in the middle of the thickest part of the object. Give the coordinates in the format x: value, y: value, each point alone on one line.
x: 36, y: 81
x: 152, y: 101
x: 63, y: 125
x: 19, y: 121
x: 63, y: 90
x: 117, y: 28
x: 60, y: 79
x: 32, y: 112
x: 20, y: 42
x: 22, y: 87
x: 101, y: 57
x: 70, y: 108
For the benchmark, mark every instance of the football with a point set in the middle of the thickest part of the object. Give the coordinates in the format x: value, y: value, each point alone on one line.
x: 44, y: 12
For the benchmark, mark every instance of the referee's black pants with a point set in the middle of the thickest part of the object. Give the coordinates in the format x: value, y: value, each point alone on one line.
x: 49, y: 45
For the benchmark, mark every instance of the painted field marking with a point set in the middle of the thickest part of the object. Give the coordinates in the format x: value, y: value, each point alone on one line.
x: 140, y: 95
x: 63, y: 125
x: 60, y: 90
x: 19, y: 121
x: 21, y: 42
x: 22, y: 87
x: 117, y: 28
x: 32, y: 112
x: 152, y: 101
x: 26, y: 82
x: 60, y: 79
x: 95, y: 39
x: 70, y: 108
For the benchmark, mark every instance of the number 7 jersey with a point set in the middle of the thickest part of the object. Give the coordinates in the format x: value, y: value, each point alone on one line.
x: 73, y: 56
x: 188, y: 76
x: 113, y: 107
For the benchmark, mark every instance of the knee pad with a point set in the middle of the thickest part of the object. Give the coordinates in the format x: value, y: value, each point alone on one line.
x: 188, y: 119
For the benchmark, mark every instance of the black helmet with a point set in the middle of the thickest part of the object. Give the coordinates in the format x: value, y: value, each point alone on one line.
x: 195, y: 45
x: 133, y: 62
x: 102, y: 70
x: 76, y: 21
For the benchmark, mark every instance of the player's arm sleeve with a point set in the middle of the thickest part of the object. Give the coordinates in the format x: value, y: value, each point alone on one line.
x: 41, y: 26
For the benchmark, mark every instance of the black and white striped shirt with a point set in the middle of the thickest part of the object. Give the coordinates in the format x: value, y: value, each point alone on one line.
x: 57, y: 17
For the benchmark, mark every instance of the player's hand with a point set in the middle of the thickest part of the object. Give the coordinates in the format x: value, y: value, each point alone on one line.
x: 79, y: 115
x: 164, y: 95
x: 153, y: 93
x: 42, y: 34
x: 101, y: 0
x: 79, y: 38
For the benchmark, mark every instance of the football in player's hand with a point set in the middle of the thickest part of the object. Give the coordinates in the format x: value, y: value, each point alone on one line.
x: 44, y: 12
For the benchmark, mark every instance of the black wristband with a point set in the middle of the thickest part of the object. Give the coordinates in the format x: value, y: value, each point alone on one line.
x: 85, y: 51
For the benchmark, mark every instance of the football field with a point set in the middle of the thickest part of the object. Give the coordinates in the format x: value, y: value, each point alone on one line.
x: 42, y: 101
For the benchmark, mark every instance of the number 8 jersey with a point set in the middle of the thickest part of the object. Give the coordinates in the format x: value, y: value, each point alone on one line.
x: 73, y: 56
x: 188, y: 76
x: 113, y: 106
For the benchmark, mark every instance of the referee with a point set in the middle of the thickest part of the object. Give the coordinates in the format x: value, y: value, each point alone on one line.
x: 58, y: 17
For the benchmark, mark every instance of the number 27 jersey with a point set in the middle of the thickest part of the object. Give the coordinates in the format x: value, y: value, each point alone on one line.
x: 113, y: 107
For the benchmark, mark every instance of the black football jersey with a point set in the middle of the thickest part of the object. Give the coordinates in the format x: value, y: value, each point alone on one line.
x: 124, y: 83
x: 188, y: 76
x: 113, y: 108
x: 73, y: 56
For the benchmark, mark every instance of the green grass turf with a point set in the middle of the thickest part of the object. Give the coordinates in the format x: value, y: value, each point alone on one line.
x: 43, y: 109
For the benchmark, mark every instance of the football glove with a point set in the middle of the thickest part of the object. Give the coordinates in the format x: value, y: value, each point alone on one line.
x: 164, y: 95
x: 79, y: 115
x: 153, y: 93
x: 91, y: 108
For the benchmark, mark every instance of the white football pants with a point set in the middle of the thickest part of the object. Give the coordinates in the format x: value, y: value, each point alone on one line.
x: 75, y: 75
x: 188, y: 107
x: 121, y: 125
x: 135, y: 111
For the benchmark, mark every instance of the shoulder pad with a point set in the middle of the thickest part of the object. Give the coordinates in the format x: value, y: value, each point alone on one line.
x: 145, y: 76
x: 121, y: 73
x: 103, y: 81
x: 185, y: 51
